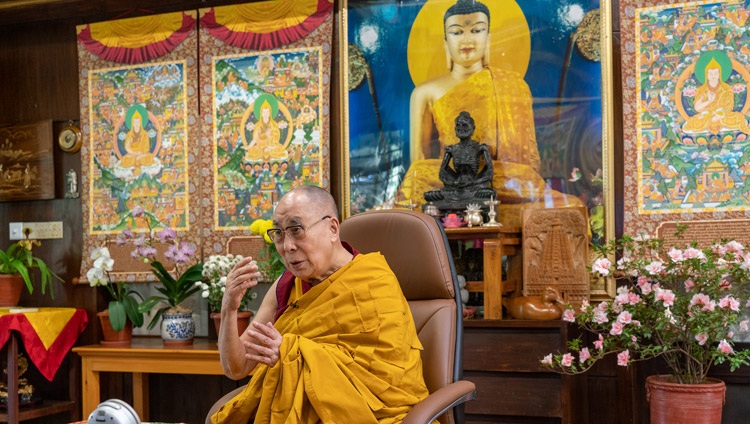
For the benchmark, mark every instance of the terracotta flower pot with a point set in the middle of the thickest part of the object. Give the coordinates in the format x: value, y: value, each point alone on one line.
x: 11, y: 286
x: 673, y: 403
x: 112, y: 337
x: 243, y: 321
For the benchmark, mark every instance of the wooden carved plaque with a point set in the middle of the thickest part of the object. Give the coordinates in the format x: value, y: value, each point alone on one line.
x: 555, y: 253
x: 27, y: 168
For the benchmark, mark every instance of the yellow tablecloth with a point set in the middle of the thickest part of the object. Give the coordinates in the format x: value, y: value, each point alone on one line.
x: 47, y: 334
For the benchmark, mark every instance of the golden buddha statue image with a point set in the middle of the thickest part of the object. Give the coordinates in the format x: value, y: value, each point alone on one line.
x: 714, y: 99
x: 497, y: 98
x: 138, y: 155
x: 265, y: 144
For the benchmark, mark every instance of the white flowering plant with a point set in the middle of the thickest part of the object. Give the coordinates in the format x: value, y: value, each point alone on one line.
x: 125, y: 301
x: 215, y: 270
x: 681, y: 303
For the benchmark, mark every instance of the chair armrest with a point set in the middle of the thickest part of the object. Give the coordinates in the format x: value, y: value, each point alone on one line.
x: 439, y: 402
x: 224, y: 399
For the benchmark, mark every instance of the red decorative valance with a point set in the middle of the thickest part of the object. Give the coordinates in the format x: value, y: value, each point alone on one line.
x: 265, y: 25
x: 137, y: 40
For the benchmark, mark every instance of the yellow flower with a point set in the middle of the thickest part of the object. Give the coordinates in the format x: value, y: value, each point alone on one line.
x: 261, y: 227
x: 28, y: 244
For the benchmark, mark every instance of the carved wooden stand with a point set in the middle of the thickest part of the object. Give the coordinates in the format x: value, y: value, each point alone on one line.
x: 498, y: 242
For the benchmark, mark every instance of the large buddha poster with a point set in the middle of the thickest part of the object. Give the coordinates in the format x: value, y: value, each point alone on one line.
x: 528, y: 72
x: 686, y: 74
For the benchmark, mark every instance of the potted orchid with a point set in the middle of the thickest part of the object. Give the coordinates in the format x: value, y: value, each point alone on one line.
x: 175, y: 286
x: 679, y: 302
x: 270, y: 263
x: 122, y: 312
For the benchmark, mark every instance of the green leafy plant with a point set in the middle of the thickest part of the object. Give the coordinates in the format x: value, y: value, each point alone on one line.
x: 215, y: 270
x: 270, y: 263
x: 175, y: 287
x: 125, y: 301
x: 681, y: 303
x: 19, y: 259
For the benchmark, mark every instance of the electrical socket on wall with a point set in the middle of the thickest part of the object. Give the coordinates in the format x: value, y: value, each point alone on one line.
x: 36, y: 230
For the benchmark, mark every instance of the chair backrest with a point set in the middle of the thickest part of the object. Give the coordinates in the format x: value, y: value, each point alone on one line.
x: 417, y: 250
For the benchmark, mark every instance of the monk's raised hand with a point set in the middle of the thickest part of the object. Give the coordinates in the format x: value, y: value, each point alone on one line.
x: 264, y: 346
x: 243, y: 276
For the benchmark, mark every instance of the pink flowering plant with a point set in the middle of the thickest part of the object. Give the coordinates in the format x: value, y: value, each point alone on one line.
x: 681, y: 303
x: 176, y: 286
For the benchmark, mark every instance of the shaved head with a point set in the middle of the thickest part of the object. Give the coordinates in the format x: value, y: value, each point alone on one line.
x: 318, y: 197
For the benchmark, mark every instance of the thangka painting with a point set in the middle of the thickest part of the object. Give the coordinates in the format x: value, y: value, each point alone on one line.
x: 27, y: 168
x: 268, y: 130
x: 530, y: 73
x: 685, y: 89
x: 139, y: 120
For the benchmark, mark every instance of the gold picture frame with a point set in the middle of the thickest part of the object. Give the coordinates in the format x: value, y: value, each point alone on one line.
x: 685, y: 163
x: 378, y: 78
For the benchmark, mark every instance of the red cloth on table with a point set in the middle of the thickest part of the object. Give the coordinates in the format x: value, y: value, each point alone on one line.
x: 46, y: 360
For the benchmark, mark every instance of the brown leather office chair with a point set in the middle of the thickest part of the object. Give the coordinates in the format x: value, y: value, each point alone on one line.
x: 417, y: 251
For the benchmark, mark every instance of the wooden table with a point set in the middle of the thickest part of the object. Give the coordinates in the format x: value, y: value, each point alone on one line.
x: 498, y: 242
x: 145, y: 355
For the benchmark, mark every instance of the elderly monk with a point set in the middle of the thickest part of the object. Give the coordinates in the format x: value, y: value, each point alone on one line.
x: 333, y: 340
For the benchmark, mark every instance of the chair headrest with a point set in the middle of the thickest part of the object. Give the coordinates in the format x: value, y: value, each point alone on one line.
x: 412, y: 243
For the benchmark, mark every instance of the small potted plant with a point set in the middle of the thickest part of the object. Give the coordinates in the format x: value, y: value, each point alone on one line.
x: 16, y: 268
x: 177, y: 324
x: 215, y: 270
x: 122, y: 313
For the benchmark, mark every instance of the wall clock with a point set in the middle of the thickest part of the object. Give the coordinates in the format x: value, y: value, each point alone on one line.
x: 70, y: 138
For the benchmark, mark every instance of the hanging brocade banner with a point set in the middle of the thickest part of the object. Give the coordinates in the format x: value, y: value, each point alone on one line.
x: 139, y: 117
x: 268, y: 67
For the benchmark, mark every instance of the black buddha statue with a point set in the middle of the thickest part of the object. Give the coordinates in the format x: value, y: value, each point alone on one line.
x: 466, y: 171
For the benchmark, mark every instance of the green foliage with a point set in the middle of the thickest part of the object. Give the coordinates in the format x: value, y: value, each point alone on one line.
x: 124, y: 307
x: 125, y: 301
x: 270, y: 263
x: 19, y: 259
x: 173, y: 291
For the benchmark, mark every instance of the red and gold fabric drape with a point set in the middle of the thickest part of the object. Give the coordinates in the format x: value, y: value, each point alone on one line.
x: 136, y: 40
x: 266, y: 25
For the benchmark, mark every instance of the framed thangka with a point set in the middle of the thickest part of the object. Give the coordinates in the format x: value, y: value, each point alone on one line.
x: 685, y: 85
x: 267, y: 77
x: 139, y: 120
x: 534, y: 75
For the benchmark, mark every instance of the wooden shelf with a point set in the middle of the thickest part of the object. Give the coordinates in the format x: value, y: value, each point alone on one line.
x: 50, y: 407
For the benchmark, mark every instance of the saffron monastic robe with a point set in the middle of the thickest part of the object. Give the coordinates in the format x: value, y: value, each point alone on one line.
x: 350, y: 354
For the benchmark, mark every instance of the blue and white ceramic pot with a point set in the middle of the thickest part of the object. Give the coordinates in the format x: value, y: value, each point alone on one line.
x: 177, y: 328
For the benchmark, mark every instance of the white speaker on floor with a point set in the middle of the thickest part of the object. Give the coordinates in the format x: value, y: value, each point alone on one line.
x: 114, y: 411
